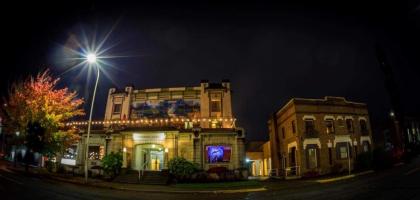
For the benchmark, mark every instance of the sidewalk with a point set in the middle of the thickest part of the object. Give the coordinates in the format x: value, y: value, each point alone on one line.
x: 213, y: 189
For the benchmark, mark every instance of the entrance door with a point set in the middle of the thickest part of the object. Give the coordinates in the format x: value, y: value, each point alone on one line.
x: 149, y: 157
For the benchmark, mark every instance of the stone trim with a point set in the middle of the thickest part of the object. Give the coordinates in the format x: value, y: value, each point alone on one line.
x: 365, y: 138
x: 327, y: 117
x: 305, y: 117
x: 290, y: 145
x: 342, y: 138
x: 309, y: 141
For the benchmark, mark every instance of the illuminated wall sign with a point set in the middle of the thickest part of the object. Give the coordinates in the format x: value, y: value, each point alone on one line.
x: 148, y: 136
x: 217, y: 154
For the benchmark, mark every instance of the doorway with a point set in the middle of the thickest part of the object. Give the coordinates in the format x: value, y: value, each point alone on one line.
x: 149, y: 157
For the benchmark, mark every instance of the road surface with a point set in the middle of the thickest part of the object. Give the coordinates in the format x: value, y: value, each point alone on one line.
x: 402, y: 182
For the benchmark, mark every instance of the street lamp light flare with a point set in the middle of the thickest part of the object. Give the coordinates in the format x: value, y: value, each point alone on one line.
x: 91, y: 58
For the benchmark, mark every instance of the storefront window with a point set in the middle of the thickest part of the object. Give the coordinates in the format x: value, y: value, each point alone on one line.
x: 71, y: 152
x: 96, y: 152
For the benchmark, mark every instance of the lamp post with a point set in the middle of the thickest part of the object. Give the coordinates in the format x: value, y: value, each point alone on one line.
x: 348, y: 156
x: 91, y: 59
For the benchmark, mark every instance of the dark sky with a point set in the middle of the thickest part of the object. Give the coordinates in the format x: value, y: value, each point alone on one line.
x: 270, y: 52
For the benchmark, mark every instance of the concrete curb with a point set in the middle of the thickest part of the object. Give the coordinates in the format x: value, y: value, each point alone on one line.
x: 343, y: 177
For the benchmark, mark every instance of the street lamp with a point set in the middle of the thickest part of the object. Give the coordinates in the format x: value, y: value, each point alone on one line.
x: 91, y: 59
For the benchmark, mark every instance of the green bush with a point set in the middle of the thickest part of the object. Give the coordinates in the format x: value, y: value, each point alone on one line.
x: 181, y: 168
x: 112, y: 163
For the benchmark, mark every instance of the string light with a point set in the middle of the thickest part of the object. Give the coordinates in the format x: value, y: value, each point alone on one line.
x: 151, y: 121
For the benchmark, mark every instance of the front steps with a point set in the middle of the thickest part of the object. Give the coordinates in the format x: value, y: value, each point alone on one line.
x: 148, y: 177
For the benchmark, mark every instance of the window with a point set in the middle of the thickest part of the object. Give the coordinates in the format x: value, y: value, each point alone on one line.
x: 96, y: 152
x: 366, y: 146
x: 329, y: 124
x: 293, y: 126
x: 215, y: 106
x: 309, y: 126
x: 312, y: 158
x: 343, y: 152
x: 117, y: 108
x: 71, y: 152
x: 283, y: 132
x: 340, y: 122
x: 349, y: 125
x: 363, y: 126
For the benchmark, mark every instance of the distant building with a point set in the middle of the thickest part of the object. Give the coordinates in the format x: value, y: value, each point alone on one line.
x: 258, y: 157
x: 152, y: 126
x: 318, y: 135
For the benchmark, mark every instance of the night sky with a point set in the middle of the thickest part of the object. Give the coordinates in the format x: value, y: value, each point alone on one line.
x: 269, y: 52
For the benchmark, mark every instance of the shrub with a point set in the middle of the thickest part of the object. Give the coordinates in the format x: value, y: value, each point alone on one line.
x: 112, y: 163
x: 181, y: 168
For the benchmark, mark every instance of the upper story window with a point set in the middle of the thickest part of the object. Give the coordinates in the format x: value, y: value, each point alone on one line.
x: 117, y: 108
x: 283, y: 132
x: 293, y: 127
x: 349, y: 125
x: 329, y: 125
x: 309, y: 126
x: 215, y: 106
x: 363, y: 126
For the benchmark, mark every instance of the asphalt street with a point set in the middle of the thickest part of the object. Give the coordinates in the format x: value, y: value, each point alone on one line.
x: 401, y: 182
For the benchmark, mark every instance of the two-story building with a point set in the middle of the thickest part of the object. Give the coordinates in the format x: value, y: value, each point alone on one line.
x: 152, y: 126
x: 318, y: 135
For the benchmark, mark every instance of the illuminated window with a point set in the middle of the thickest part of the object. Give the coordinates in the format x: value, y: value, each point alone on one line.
x: 329, y: 125
x: 96, y: 152
x: 71, y: 152
x: 117, y: 108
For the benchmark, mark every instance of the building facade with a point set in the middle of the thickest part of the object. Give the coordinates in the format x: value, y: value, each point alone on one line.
x: 318, y: 136
x: 152, y: 126
x: 258, y: 157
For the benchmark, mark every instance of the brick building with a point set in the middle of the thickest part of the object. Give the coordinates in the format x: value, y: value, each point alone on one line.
x: 318, y: 135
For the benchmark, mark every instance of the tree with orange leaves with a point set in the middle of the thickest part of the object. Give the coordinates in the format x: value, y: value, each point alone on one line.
x: 37, y: 109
